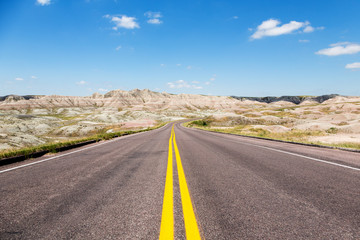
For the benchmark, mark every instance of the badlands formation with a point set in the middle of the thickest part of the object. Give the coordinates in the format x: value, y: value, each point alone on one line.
x: 34, y: 120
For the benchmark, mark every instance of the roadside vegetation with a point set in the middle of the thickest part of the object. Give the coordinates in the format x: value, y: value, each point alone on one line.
x: 55, y: 147
x: 249, y: 127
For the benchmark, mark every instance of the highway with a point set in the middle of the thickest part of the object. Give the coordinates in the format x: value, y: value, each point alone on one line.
x: 180, y: 183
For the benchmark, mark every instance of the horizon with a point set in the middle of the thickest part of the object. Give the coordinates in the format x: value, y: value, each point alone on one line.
x: 104, y: 93
x: 231, y: 48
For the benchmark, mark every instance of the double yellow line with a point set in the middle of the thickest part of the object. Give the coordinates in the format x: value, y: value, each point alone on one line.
x: 167, y: 219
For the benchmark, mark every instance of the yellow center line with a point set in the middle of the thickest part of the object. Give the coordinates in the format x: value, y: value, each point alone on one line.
x: 191, y: 227
x: 167, y: 219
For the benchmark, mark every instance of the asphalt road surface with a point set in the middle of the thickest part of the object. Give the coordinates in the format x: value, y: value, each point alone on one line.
x: 216, y: 186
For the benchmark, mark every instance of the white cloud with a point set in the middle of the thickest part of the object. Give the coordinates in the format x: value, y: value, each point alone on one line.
x: 43, y: 2
x: 103, y: 90
x: 196, y: 87
x: 212, y: 79
x: 154, y: 21
x: 150, y: 14
x: 355, y: 65
x: 235, y: 17
x: 183, y: 84
x: 309, y: 29
x: 189, y: 67
x: 272, y: 27
x: 154, y: 17
x: 81, y: 83
x: 341, y: 48
x: 162, y: 65
x: 339, y: 44
x: 118, y: 48
x: 19, y: 79
x: 179, y: 65
x: 207, y: 83
x: 304, y: 41
x: 196, y: 82
x: 33, y: 77
x: 123, y: 21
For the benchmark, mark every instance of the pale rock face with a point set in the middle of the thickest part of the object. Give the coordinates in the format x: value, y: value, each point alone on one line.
x: 32, y: 120
x: 97, y: 96
x: 118, y: 98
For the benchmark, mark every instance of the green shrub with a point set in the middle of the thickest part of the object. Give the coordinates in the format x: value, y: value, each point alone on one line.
x: 200, y: 123
x: 332, y: 130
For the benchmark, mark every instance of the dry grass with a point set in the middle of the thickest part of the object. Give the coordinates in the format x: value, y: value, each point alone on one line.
x: 209, y: 124
x: 53, y: 147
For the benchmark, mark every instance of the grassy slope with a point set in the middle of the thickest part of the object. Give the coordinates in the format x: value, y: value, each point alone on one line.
x: 52, y: 147
x: 291, y: 136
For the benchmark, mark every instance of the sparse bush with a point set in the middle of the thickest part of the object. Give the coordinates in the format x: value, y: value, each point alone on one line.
x: 260, y: 132
x: 343, y: 123
x: 325, y: 109
x: 251, y: 115
x: 332, y: 130
x: 200, y: 123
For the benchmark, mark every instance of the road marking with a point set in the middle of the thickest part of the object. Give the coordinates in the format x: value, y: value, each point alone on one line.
x: 191, y: 227
x: 167, y: 219
x: 65, y: 154
x: 311, y: 158
x: 290, y: 153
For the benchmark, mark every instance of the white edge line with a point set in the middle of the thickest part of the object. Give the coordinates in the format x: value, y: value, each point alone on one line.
x: 311, y: 158
x: 290, y: 153
x: 65, y: 154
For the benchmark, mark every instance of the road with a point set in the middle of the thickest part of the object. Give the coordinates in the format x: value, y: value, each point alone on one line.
x: 216, y: 186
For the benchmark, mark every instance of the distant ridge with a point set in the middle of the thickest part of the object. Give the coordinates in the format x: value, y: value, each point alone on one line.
x: 293, y: 99
x: 135, y: 99
x: 138, y: 99
x: 18, y: 98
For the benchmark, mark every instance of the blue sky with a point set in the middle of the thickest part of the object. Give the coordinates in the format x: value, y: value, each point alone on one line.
x: 243, y: 48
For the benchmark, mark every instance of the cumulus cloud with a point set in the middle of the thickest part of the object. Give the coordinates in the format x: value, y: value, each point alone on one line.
x: 355, y: 65
x: 273, y: 27
x: 118, y: 48
x: 183, y: 84
x: 153, y: 17
x: 103, y: 90
x: 81, y: 83
x: 33, y: 77
x: 19, y: 79
x: 123, y: 21
x: 43, y: 2
x: 341, y: 48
